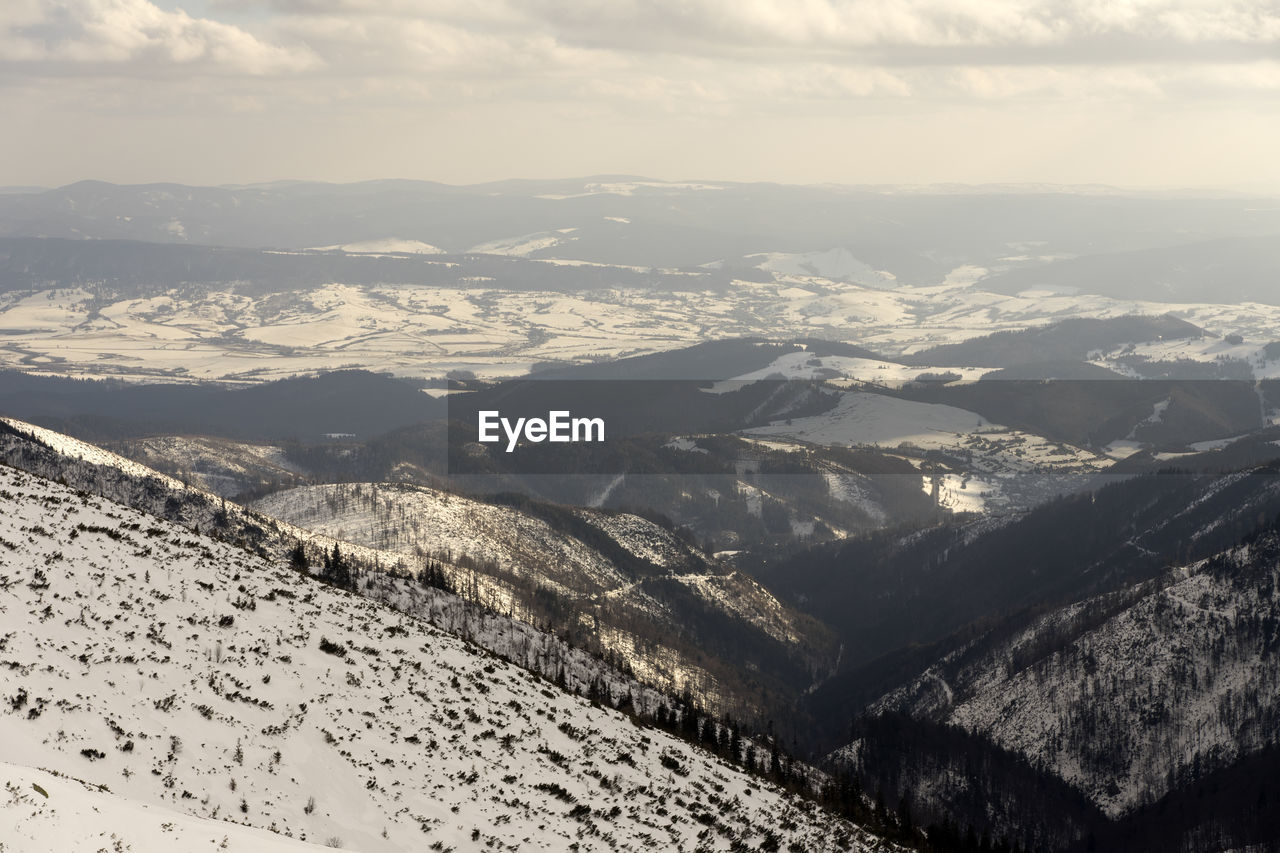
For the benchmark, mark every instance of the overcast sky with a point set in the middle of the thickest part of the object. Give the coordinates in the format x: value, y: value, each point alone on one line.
x: 1146, y: 93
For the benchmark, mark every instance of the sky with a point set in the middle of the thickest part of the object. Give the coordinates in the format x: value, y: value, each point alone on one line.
x: 1143, y: 93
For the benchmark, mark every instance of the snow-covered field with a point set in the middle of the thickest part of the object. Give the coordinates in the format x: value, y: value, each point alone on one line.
x: 836, y: 368
x: 874, y: 419
x: 1002, y: 467
x: 186, y: 674
x: 1254, y: 323
x: 428, y: 330
x: 387, y: 246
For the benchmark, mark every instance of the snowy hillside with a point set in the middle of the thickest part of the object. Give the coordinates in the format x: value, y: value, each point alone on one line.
x: 73, y: 448
x: 224, y: 468
x: 186, y: 673
x: 724, y: 639
x: 51, y: 811
x: 92, y: 469
x: 1128, y: 695
x: 474, y: 605
x: 416, y: 519
x: 619, y: 582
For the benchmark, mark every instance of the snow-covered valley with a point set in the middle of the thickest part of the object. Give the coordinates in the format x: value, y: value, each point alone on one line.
x: 236, y: 334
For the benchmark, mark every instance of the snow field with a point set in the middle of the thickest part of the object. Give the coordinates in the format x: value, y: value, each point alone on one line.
x: 425, y: 331
x: 47, y: 812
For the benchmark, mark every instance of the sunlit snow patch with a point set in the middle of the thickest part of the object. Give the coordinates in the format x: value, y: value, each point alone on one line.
x: 834, y: 264
x: 385, y: 246
x: 525, y: 244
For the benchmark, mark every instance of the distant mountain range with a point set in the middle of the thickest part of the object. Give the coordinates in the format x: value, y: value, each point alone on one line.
x: 917, y: 236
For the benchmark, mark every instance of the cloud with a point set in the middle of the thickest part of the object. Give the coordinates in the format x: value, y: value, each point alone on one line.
x: 1093, y: 90
x: 134, y: 37
x: 923, y: 32
x: 719, y: 51
x: 1095, y: 27
x: 378, y: 44
x: 674, y: 55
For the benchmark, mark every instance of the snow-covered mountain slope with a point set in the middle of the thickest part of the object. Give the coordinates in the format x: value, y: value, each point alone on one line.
x: 722, y: 641
x: 736, y: 492
x: 617, y: 581
x: 224, y: 468
x: 1252, y: 351
x: 416, y: 519
x: 45, y: 811
x: 74, y: 448
x: 1132, y: 694
x: 92, y: 469
x: 479, y: 606
x: 187, y: 673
